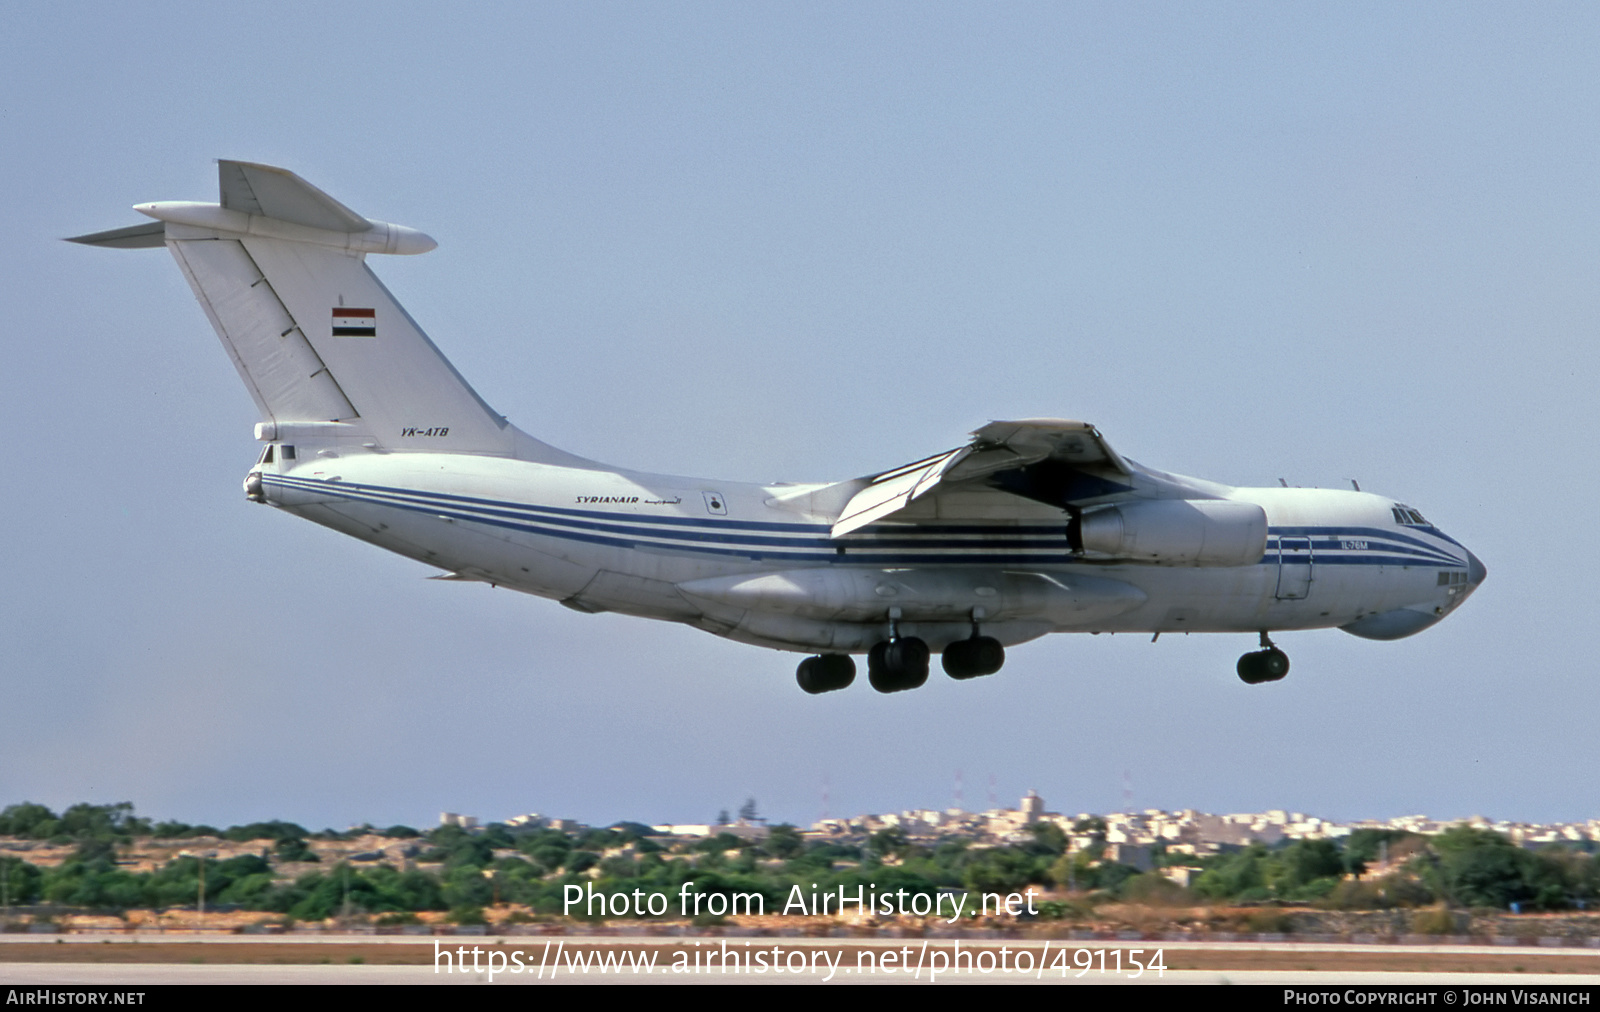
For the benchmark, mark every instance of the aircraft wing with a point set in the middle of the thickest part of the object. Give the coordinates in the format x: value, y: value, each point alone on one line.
x: 998, y: 446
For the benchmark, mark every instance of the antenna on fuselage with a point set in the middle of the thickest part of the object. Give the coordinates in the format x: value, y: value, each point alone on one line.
x: 1355, y: 484
x: 1283, y: 483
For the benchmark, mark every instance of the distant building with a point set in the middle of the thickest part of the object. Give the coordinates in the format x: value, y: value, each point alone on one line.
x: 1134, y: 855
x: 686, y: 829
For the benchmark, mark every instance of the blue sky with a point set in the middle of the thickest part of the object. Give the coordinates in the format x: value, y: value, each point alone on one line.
x: 807, y: 242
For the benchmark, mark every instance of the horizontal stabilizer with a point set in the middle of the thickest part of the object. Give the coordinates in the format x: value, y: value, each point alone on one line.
x: 272, y: 192
x: 150, y: 235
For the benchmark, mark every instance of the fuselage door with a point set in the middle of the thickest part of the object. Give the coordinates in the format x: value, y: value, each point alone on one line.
x: 1294, y: 568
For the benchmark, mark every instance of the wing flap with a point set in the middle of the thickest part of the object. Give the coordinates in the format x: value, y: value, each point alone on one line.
x: 894, y: 490
x: 997, y: 446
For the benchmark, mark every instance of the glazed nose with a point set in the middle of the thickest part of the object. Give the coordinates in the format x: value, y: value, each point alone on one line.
x: 1475, y: 570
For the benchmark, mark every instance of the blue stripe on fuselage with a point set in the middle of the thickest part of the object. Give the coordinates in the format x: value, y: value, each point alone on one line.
x: 764, y: 540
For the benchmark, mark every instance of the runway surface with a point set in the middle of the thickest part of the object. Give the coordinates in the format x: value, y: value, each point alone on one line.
x: 132, y: 960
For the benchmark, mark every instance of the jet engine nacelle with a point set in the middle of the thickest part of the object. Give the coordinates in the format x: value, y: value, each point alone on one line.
x: 1176, y: 532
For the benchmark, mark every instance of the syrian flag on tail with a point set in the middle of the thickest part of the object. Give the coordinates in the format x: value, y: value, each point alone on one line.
x: 355, y: 322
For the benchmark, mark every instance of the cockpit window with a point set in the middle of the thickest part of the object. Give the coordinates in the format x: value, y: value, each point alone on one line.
x: 1409, y: 517
x: 266, y: 455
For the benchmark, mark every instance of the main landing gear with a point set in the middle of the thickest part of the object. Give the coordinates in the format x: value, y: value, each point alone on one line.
x: 1265, y: 665
x: 898, y: 664
x: 826, y: 673
x: 901, y: 662
x: 977, y: 655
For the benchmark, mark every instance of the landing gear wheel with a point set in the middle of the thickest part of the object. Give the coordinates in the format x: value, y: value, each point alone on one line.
x: 877, y: 670
x: 970, y: 658
x: 826, y: 673
x: 1248, y: 670
x: 1267, y: 665
x: 1274, y: 663
x: 898, y: 665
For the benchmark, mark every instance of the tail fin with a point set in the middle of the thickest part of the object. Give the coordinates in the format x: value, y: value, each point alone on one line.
x: 325, y: 350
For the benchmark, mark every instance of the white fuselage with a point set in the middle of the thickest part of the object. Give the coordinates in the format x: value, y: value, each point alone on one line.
x: 756, y: 563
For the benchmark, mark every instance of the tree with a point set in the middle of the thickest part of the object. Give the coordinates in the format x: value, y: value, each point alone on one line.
x: 1367, y: 846
x: 891, y: 842
x: 784, y: 841
x: 294, y: 849
x: 1481, y: 868
x: 1231, y: 876
x: 100, y: 821
x: 27, y: 820
x: 747, y: 811
x: 1047, y: 839
x: 717, y: 844
x: 632, y: 830
x: 1304, y: 862
x: 19, y: 883
x: 1002, y: 870
x: 274, y: 830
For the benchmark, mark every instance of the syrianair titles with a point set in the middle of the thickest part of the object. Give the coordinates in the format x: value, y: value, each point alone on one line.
x: 1034, y: 526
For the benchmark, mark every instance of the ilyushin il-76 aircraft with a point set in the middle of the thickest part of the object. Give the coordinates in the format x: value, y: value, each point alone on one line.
x: 1035, y: 526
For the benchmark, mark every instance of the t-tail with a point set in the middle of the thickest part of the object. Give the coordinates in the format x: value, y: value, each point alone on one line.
x: 328, y: 354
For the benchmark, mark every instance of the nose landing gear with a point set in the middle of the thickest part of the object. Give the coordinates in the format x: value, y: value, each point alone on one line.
x: 1269, y: 664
